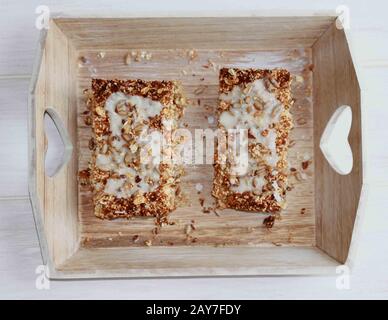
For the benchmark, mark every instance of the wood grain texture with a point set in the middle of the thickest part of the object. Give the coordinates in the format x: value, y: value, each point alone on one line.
x: 296, y: 226
x: 336, y: 197
x: 20, y: 256
x: 230, y: 227
x: 198, y: 261
x: 57, y: 195
x: 19, y: 252
x: 200, y: 33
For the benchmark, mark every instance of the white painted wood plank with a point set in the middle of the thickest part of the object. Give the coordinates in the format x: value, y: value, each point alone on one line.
x: 19, y: 257
x: 375, y: 131
x: 13, y: 137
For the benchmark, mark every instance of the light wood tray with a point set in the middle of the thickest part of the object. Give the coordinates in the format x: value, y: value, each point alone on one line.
x: 77, y: 244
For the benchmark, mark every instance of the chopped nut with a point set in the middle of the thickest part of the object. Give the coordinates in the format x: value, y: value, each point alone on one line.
x: 122, y: 107
x: 148, y: 243
x: 232, y: 72
x: 100, y: 111
x: 139, y: 199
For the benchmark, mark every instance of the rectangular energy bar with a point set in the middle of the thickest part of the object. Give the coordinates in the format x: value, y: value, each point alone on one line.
x: 257, y: 101
x: 127, y: 178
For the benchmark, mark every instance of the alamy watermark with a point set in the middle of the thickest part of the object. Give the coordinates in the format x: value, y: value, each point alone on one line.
x: 342, y: 281
x: 42, y: 281
x: 43, y: 19
x: 343, y: 19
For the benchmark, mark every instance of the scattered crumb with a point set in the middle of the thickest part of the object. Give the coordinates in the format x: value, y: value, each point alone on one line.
x: 82, y: 61
x: 303, y: 211
x: 128, y: 59
x: 201, y: 89
x: 101, y: 55
x: 120, y: 234
x: 110, y: 239
x: 135, y: 238
x: 299, y: 79
x: 139, y: 56
x: 192, y: 54
x: 305, y: 164
x: 301, y: 121
x: 148, y: 243
x: 188, y: 229
x: 269, y: 222
x: 84, y: 177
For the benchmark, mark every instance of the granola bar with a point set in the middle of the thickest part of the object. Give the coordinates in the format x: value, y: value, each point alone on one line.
x: 257, y: 101
x: 128, y: 117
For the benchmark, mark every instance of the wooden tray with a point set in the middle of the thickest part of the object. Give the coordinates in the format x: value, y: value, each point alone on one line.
x: 312, y: 235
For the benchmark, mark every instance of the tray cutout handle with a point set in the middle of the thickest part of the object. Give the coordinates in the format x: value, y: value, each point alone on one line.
x: 334, y: 142
x: 58, y: 147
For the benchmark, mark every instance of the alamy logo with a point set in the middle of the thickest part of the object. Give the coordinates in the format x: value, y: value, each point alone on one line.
x: 342, y: 281
x: 43, y: 18
x: 42, y: 281
x: 343, y: 19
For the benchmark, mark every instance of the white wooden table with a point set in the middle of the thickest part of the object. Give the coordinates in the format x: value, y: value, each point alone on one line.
x: 19, y: 250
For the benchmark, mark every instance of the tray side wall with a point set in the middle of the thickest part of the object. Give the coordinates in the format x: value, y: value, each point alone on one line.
x: 204, y: 261
x: 265, y: 33
x: 55, y: 197
x: 336, y: 196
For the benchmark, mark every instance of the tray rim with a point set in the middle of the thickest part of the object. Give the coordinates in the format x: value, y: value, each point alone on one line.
x: 55, y: 273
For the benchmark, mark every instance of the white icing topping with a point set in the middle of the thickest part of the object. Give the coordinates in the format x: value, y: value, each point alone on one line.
x: 146, y: 178
x: 244, y: 114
